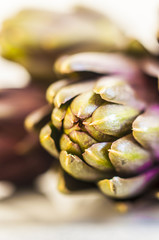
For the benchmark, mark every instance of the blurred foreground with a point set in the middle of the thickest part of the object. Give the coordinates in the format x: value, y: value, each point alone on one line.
x: 30, y: 214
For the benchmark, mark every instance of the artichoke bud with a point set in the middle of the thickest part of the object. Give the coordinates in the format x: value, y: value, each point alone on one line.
x: 95, y: 63
x: 58, y: 115
x: 128, y: 157
x: 146, y: 129
x: 123, y: 188
x: 49, y: 137
x: 99, y: 136
x: 70, y: 119
x: 69, y: 92
x: 77, y: 168
x: 82, y: 138
x: 54, y: 88
x: 68, y: 145
x: 92, y: 121
x: 85, y: 104
x: 114, y: 119
x: 97, y: 156
x: 117, y: 90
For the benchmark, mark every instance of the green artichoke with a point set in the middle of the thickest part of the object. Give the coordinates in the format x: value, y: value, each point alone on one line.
x: 36, y: 38
x: 104, y: 129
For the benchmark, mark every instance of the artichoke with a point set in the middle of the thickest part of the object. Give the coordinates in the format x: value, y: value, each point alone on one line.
x: 104, y: 124
x: 21, y: 157
x: 36, y: 38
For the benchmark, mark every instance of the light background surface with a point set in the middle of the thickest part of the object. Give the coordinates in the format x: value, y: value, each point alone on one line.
x: 46, y: 214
